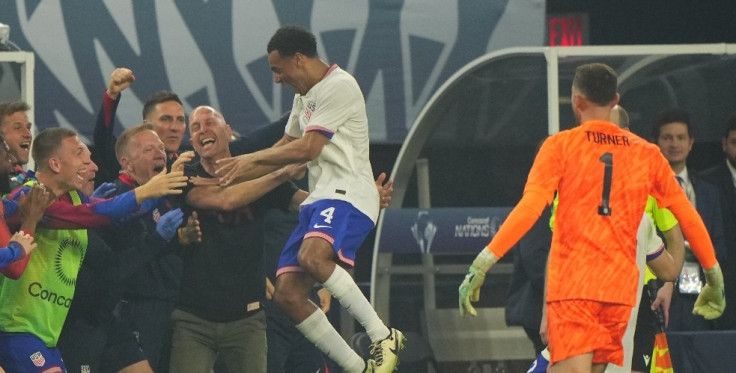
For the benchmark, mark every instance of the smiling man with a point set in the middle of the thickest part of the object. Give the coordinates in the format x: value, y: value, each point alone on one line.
x: 149, y: 295
x: 165, y: 111
x: 16, y: 129
x: 219, y: 312
x: 674, y: 136
x: 141, y: 153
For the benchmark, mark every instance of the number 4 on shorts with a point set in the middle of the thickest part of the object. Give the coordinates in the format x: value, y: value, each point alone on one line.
x: 328, y: 213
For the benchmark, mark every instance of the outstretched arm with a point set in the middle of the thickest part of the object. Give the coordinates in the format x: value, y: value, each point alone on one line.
x: 519, y: 221
x: 206, y: 194
x: 285, y: 152
x: 63, y: 214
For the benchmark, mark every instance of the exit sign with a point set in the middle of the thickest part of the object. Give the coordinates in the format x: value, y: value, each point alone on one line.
x: 567, y: 30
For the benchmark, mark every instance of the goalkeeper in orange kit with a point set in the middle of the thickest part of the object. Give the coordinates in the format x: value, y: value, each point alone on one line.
x: 603, y: 175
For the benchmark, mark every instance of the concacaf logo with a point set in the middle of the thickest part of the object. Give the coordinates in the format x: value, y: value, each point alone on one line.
x: 67, y: 270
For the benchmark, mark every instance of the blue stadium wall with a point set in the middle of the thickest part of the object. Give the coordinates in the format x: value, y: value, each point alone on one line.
x: 214, y: 52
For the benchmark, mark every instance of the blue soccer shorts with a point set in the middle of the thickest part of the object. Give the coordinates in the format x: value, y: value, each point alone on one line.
x: 332, y: 220
x: 24, y: 352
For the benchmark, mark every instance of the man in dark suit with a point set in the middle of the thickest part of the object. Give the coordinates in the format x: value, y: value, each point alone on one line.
x: 723, y: 176
x: 673, y: 135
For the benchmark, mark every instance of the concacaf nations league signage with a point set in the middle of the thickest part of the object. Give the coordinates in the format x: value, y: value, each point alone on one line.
x: 440, y: 230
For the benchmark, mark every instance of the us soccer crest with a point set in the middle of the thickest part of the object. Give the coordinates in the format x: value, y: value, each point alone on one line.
x: 311, y: 107
x: 38, y: 359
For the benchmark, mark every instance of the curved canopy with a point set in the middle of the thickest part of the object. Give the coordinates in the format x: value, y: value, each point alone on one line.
x: 480, y: 130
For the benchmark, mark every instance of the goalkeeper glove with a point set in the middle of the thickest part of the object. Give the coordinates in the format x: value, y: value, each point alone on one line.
x: 712, y: 300
x: 470, y: 288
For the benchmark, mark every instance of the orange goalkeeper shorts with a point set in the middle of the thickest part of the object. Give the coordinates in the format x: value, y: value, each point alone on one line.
x: 576, y: 327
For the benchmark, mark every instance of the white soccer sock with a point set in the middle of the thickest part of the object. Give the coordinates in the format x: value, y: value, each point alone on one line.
x: 346, y: 291
x: 318, y: 329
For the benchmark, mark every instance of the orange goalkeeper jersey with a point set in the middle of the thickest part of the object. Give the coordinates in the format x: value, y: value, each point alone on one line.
x: 603, y: 176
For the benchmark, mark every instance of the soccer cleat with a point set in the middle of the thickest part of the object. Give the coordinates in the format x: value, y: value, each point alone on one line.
x: 385, y: 353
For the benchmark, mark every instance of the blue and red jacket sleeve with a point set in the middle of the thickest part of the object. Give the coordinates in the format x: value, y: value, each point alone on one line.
x: 11, y: 253
x: 63, y: 214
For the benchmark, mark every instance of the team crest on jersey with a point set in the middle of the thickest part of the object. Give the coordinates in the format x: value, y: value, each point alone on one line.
x: 156, y: 215
x: 38, y: 359
x: 66, y: 270
x: 311, y: 108
x: 85, y: 369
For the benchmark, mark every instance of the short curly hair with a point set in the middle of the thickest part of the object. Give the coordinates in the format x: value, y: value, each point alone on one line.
x: 289, y: 40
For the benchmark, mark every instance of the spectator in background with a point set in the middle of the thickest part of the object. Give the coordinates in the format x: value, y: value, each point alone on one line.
x: 673, y: 134
x: 16, y: 130
x: 723, y: 176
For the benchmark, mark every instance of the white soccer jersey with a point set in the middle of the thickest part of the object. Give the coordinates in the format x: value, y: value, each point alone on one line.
x: 336, y: 108
x: 647, y: 240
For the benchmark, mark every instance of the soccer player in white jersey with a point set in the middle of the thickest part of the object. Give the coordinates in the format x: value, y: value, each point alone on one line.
x: 328, y: 129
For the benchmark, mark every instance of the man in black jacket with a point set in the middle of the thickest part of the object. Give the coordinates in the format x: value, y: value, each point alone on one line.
x: 673, y: 135
x: 150, y: 293
x: 723, y: 176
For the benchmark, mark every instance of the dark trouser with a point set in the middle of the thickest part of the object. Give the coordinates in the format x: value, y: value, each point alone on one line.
x: 150, y: 320
x: 86, y: 347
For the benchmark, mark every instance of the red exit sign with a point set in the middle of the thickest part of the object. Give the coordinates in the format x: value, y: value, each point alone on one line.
x: 567, y: 30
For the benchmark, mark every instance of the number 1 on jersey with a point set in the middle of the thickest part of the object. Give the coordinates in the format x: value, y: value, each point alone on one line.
x: 605, y: 208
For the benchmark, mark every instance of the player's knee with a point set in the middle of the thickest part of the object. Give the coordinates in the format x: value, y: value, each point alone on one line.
x: 310, y: 262
x: 284, y: 298
x: 307, y: 262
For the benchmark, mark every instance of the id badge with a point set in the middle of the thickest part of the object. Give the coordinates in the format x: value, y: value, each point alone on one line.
x: 689, y: 281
